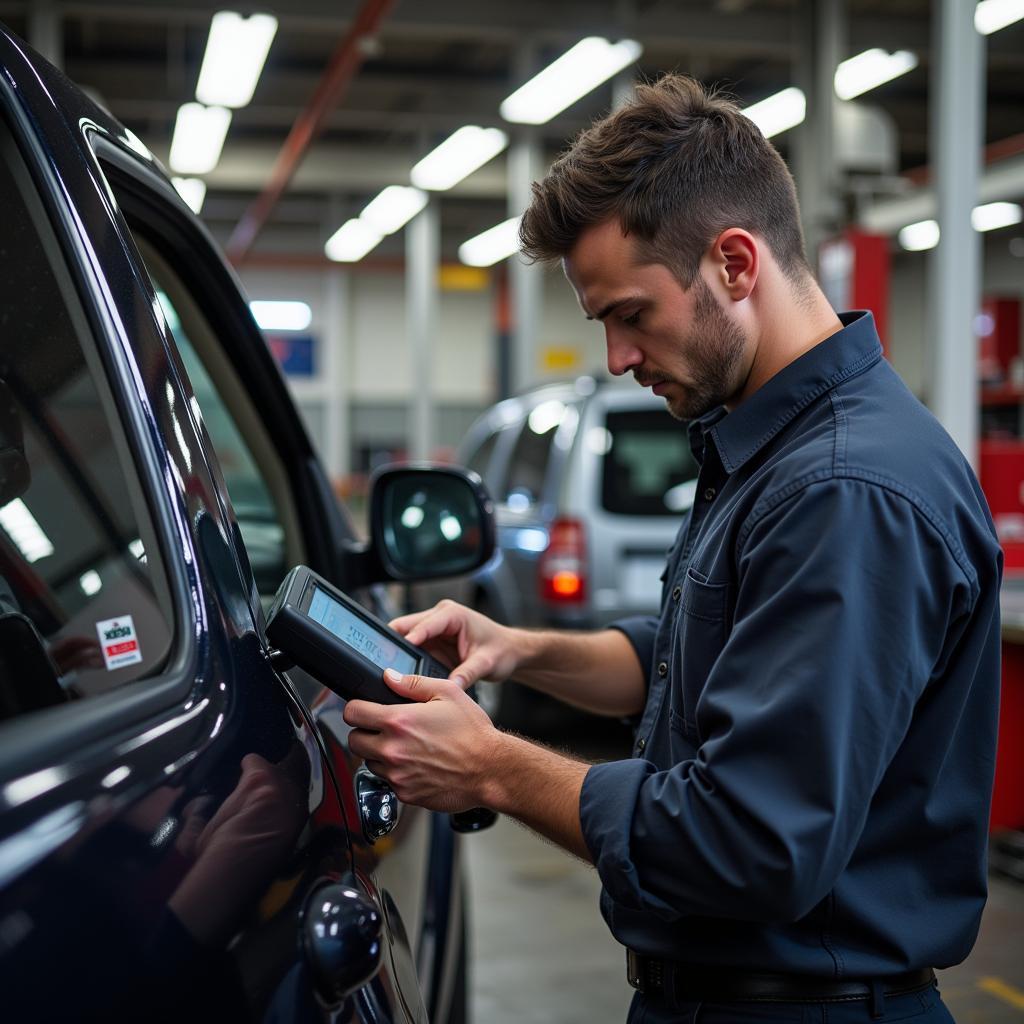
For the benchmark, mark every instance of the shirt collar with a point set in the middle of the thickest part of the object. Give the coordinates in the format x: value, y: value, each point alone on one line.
x: 753, y: 423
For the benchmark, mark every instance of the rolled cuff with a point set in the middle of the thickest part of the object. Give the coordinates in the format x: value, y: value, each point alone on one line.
x: 607, y: 803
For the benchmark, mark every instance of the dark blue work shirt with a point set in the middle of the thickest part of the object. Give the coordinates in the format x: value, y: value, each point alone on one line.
x: 814, y: 765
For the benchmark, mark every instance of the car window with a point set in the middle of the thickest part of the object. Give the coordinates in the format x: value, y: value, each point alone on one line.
x: 255, y: 478
x: 528, y: 463
x: 84, y: 602
x: 647, y: 466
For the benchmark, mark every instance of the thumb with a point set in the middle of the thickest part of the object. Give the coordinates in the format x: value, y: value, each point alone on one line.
x: 420, y: 688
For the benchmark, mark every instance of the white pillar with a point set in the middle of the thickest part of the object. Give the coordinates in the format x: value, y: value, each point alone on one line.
x: 957, y: 99
x: 45, y: 31
x: 423, y: 254
x: 336, y: 373
x: 820, y: 48
x: 525, y: 281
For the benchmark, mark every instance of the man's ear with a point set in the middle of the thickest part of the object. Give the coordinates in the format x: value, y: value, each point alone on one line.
x: 736, y: 260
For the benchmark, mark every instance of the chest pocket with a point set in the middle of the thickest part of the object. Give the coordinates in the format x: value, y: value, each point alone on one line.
x: 701, y: 626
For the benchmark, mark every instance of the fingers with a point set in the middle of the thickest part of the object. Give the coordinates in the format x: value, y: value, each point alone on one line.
x: 476, y: 667
x: 419, y: 688
x: 368, y: 746
x: 364, y: 714
x: 445, y: 618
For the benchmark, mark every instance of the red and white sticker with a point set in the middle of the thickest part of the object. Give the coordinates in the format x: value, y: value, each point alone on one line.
x: 119, y: 642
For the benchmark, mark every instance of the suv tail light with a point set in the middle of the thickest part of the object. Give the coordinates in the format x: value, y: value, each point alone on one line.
x: 563, y: 566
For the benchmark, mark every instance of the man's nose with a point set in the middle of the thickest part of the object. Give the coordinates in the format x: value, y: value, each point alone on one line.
x: 622, y: 354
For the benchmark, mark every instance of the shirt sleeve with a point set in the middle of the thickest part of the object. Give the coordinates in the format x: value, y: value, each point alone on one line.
x: 847, y: 597
x: 640, y: 631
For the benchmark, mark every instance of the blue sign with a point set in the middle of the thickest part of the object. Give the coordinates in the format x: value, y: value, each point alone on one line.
x: 293, y: 352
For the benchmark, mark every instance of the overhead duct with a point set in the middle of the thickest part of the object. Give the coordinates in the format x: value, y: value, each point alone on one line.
x: 999, y: 181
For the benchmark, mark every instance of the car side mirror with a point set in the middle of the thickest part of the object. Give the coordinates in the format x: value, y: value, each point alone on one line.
x: 430, y: 521
x: 426, y: 522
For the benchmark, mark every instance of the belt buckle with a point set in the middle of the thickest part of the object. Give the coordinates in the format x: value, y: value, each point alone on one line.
x: 635, y: 970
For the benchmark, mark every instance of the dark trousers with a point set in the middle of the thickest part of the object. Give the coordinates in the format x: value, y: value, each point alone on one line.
x: 924, y: 1007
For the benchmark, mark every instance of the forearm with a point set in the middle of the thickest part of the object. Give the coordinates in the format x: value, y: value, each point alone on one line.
x: 539, y: 787
x: 599, y: 672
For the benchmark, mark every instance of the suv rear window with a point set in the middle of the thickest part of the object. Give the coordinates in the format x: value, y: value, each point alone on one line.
x: 647, y: 464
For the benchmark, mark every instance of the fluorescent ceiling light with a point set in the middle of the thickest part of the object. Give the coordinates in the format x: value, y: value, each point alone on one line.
x: 281, y: 315
x: 992, y: 15
x: 995, y: 215
x: 90, y: 582
x: 778, y: 113
x: 870, y: 69
x: 352, y: 241
x: 192, y: 190
x: 393, y: 208
x: 578, y: 71
x: 920, y: 236
x: 24, y: 529
x: 463, y: 152
x: 925, y: 234
x: 492, y: 245
x: 198, y: 138
x: 235, y: 54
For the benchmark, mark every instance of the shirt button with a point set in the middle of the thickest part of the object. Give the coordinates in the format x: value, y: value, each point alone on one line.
x: 640, y: 745
x: 662, y: 668
x: 709, y: 494
x: 676, y: 592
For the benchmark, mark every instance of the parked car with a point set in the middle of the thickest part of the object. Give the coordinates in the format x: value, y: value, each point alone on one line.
x: 184, y: 835
x: 590, y: 482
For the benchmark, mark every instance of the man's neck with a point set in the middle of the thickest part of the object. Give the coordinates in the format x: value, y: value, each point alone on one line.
x: 792, y: 328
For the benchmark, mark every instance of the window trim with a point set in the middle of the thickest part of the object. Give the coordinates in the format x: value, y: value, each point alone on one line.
x: 326, y: 532
x: 37, y: 738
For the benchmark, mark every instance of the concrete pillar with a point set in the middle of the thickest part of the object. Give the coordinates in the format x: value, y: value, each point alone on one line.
x: 820, y: 26
x: 525, y: 165
x: 957, y: 101
x: 336, y: 375
x: 45, y: 31
x: 422, y: 261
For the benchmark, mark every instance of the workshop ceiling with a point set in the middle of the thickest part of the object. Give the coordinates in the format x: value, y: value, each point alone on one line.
x: 439, y: 64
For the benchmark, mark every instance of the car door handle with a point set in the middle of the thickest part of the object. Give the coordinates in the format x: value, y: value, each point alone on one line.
x: 378, y: 805
x: 342, y: 939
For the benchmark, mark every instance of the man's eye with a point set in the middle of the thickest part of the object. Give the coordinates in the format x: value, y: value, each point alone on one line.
x: 633, y: 319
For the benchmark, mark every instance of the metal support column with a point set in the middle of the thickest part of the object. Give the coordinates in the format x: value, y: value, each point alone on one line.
x: 45, y: 31
x: 954, y: 283
x: 526, y: 282
x: 957, y: 103
x: 525, y: 165
x: 820, y: 46
x: 422, y: 260
x: 338, y: 446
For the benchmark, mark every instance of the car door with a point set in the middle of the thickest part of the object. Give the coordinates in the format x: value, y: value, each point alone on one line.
x: 285, y: 513
x: 281, y: 503
x: 172, y: 841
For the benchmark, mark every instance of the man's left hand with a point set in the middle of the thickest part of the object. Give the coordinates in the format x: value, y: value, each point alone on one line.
x: 433, y: 753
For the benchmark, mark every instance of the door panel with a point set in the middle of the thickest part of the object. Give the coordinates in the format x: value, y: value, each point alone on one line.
x: 159, y: 841
x: 276, y: 507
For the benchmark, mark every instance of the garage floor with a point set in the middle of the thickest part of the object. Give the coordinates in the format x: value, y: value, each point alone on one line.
x: 543, y: 954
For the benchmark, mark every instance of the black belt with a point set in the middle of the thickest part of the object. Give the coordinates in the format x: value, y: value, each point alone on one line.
x: 685, y: 983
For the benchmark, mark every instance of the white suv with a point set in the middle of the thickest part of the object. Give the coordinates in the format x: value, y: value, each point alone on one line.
x: 590, y: 482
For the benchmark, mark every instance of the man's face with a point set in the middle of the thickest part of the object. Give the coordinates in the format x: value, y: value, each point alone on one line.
x: 679, y: 342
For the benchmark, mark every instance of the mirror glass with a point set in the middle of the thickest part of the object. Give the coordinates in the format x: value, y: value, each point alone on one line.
x: 431, y: 524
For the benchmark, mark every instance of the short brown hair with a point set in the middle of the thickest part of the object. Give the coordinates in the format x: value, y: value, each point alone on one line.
x: 677, y: 165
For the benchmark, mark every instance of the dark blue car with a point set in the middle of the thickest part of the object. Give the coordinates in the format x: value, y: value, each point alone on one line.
x: 183, y: 833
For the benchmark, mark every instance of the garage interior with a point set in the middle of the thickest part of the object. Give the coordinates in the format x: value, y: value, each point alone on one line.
x: 396, y: 352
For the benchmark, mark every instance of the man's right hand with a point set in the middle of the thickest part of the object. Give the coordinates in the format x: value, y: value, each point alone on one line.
x: 472, y: 645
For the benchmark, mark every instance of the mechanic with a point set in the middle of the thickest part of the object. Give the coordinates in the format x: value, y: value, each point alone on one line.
x: 801, y: 833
